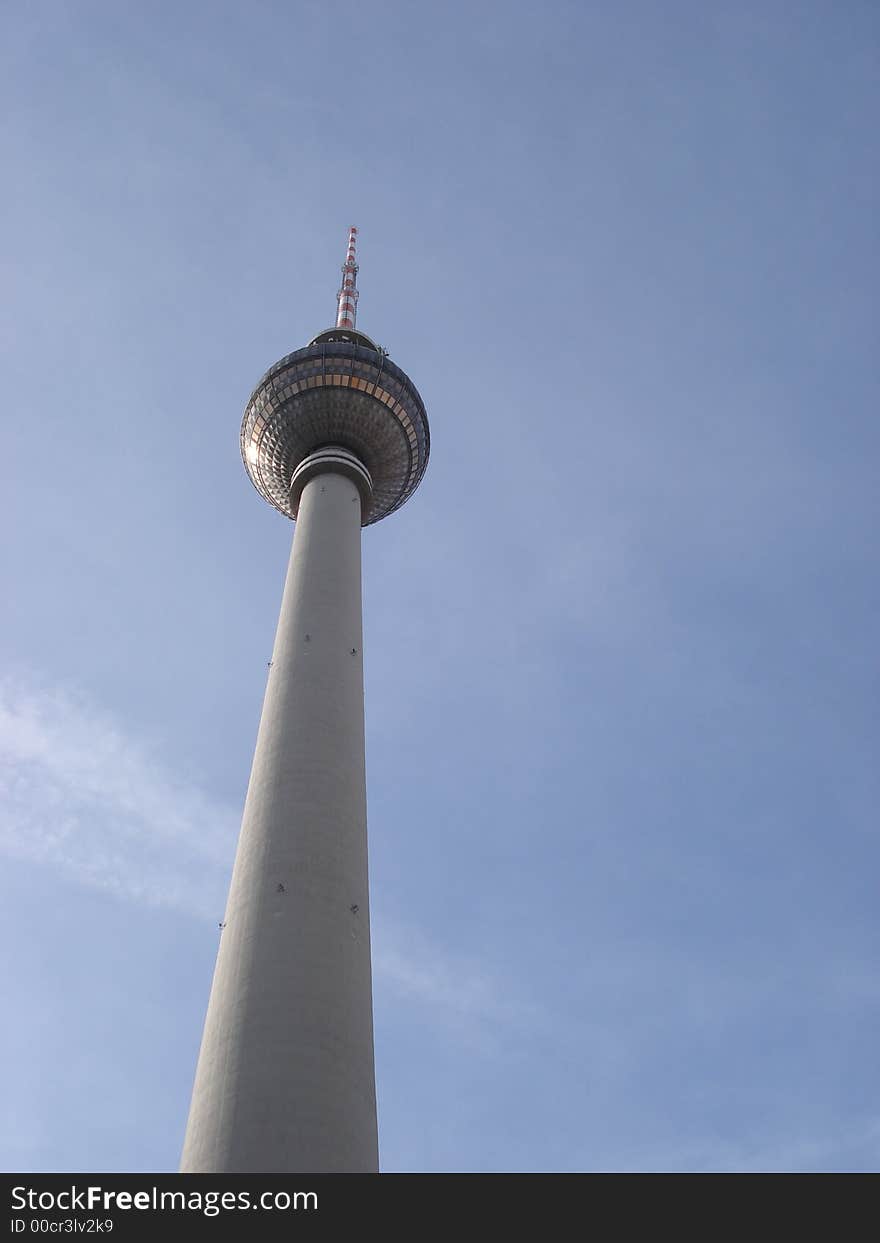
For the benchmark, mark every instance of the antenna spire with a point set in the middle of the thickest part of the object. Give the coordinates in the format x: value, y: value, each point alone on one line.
x: 346, y: 299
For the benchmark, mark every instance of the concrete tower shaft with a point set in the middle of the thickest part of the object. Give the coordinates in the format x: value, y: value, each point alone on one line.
x: 285, y: 1079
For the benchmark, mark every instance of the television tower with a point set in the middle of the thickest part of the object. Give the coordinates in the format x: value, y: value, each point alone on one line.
x: 334, y: 436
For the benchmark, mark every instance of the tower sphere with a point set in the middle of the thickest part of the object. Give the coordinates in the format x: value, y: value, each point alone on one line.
x: 340, y: 391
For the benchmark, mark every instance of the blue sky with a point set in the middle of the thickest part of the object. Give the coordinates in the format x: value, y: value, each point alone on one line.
x: 620, y: 648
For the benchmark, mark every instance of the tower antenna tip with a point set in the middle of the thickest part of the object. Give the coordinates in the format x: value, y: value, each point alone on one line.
x: 347, y: 298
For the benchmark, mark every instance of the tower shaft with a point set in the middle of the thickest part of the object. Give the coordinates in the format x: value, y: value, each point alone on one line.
x: 285, y: 1079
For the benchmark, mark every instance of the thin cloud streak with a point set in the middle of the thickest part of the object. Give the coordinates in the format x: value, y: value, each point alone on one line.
x: 83, y: 797
x: 474, y: 1000
x: 781, y: 1154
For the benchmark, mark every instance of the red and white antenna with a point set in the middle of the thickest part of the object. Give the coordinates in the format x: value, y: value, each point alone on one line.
x: 346, y: 299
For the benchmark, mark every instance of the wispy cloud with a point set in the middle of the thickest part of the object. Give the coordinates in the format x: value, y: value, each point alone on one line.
x: 841, y: 1148
x: 80, y: 795
x: 463, y: 989
x: 474, y: 1000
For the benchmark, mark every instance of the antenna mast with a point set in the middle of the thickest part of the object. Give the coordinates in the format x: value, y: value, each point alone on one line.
x: 346, y: 299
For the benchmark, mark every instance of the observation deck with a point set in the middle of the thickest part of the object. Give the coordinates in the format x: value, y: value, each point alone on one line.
x: 343, y: 391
